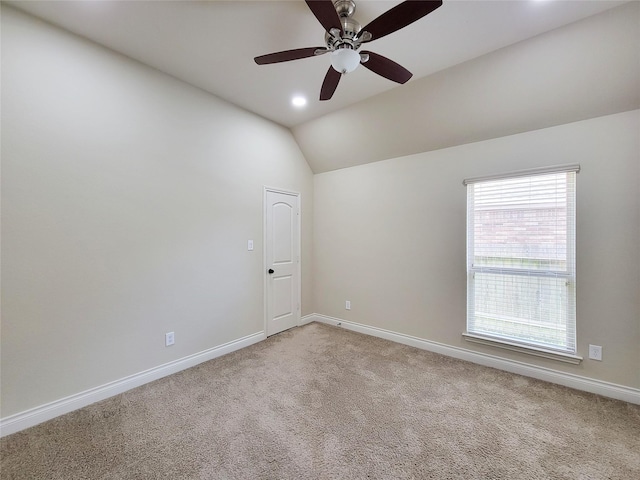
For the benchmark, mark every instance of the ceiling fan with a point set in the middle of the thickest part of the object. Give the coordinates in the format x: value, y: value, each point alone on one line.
x: 344, y: 36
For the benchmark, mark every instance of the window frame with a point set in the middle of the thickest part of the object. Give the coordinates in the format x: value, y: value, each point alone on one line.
x: 569, y: 275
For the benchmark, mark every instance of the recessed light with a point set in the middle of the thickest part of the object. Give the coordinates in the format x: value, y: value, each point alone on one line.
x: 299, y: 101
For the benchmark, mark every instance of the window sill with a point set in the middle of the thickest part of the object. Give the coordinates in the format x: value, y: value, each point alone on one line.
x: 538, y: 352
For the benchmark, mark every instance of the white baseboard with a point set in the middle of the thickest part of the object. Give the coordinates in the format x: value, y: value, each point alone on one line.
x: 606, y: 389
x: 34, y: 416
x: 307, y: 319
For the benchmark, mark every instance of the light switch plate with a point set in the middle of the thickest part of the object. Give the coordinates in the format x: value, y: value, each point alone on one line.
x: 250, y: 245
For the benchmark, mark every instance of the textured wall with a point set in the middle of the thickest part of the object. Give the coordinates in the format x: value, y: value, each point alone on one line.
x: 390, y: 237
x: 127, y: 201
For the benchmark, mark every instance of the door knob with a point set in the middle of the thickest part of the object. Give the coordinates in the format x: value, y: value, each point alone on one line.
x: 270, y: 270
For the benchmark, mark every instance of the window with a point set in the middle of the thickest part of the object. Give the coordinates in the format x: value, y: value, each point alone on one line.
x: 521, y: 269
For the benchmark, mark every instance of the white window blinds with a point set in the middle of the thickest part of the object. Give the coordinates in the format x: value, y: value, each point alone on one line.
x: 521, y: 259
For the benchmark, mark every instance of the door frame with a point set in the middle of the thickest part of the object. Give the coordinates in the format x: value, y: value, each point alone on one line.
x: 265, y: 275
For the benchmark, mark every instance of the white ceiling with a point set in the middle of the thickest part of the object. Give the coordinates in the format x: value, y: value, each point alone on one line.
x: 211, y: 44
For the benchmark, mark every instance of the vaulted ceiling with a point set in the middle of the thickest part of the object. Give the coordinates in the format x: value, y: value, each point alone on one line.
x: 211, y: 45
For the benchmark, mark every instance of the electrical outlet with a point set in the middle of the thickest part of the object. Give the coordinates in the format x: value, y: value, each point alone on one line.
x: 595, y: 352
x: 347, y: 305
x: 169, y: 339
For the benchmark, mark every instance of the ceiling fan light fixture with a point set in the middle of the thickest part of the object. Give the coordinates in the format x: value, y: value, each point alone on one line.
x: 345, y: 60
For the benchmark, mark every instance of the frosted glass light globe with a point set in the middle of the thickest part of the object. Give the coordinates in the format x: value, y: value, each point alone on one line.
x: 345, y: 60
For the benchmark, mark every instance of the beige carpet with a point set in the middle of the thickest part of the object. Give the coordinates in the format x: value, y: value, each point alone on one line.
x: 319, y: 402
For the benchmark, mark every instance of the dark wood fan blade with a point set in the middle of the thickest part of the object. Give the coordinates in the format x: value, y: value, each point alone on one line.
x: 399, y: 17
x: 330, y: 83
x: 287, y: 55
x: 386, y: 68
x: 326, y: 14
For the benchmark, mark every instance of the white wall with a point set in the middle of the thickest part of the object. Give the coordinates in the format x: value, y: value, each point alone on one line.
x: 390, y: 237
x: 128, y: 198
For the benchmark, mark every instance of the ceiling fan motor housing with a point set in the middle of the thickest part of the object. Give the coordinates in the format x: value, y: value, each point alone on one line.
x: 350, y: 26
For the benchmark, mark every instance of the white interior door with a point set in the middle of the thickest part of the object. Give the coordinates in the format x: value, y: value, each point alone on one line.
x: 282, y: 251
